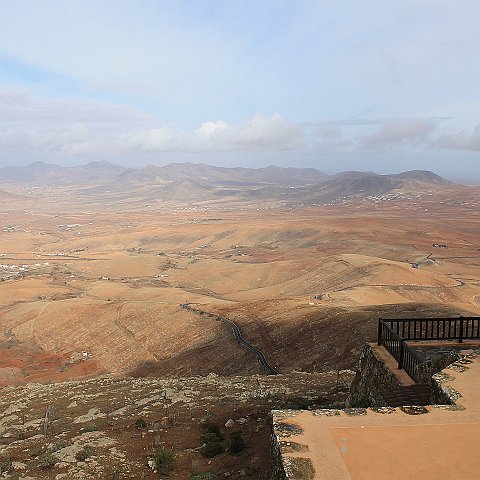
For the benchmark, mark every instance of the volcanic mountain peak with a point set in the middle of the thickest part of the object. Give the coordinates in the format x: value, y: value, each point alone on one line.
x: 351, y: 182
x: 101, y: 164
x: 423, y: 176
x: 28, y: 173
x: 240, y: 175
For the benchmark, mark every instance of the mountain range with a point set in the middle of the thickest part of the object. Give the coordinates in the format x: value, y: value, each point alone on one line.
x: 41, y: 173
x: 193, y: 182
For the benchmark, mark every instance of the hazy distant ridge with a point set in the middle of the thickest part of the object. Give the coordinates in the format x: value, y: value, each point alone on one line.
x: 194, y: 182
x: 40, y: 173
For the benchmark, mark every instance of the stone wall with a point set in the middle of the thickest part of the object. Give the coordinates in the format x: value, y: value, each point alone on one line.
x: 372, y: 377
x: 278, y: 469
x: 425, y: 371
x: 286, y: 466
x: 443, y: 394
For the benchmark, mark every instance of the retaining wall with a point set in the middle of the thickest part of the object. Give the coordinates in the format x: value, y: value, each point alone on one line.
x: 372, y: 377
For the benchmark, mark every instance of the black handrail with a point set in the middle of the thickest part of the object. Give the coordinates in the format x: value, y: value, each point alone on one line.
x: 459, y: 329
x: 393, y: 334
x: 398, y: 348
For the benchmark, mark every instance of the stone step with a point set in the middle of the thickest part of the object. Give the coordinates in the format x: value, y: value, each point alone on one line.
x: 418, y: 394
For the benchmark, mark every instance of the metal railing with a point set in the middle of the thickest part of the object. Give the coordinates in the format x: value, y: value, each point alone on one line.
x: 459, y: 329
x: 393, y: 334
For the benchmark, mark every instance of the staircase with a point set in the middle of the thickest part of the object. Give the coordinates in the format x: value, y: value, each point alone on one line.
x: 418, y: 394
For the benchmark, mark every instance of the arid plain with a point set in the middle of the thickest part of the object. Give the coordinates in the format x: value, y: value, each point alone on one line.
x: 93, y: 279
x: 104, y: 271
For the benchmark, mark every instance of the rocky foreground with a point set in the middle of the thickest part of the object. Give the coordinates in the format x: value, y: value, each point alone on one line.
x: 119, y: 428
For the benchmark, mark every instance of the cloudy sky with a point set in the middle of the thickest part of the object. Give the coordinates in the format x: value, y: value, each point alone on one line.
x: 336, y: 85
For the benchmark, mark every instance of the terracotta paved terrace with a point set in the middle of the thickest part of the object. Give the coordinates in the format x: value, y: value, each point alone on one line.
x: 391, y: 443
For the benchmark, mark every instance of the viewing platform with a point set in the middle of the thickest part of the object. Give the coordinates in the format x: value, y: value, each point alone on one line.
x: 433, y: 435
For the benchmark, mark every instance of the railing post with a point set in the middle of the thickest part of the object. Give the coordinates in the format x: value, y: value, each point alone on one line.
x: 400, y: 360
x: 460, y: 337
x: 379, y: 342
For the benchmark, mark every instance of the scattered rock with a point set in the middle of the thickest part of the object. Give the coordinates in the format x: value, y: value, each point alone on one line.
x: 414, y: 410
x: 299, y: 468
x: 383, y: 410
x: 457, y: 367
x: 451, y: 393
x: 287, y: 429
x: 452, y: 408
x: 293, y: 447
x: 92, y: 414
x: 326, y: 412
x: 355, y: 411
x: 443, y: 377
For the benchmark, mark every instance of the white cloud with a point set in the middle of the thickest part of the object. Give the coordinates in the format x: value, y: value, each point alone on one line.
x: 399, y: 132
x: 211, y: 128
x: 271, y: 133
x: 75, y: 127
x: 460, y: 140
x: 33, y: 127
x: 37, y: 125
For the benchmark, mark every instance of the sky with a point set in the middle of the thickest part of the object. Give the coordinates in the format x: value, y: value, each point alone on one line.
x: 336, y: 85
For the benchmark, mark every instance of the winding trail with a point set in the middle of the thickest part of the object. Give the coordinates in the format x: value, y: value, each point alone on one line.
x: 34, y: 319
x: 237, y: 333
x: 129, y: 333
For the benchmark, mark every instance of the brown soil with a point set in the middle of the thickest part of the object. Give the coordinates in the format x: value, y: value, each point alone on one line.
x: 103, y: 414
x: 306, y: 285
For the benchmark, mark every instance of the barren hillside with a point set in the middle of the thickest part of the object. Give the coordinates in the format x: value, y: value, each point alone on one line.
x: 112, y: 428
x: 95, y: 287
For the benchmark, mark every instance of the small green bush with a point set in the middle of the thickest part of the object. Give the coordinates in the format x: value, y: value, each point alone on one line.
x: 117, y: 474
x: 91, y: 427
x: 48, y: 460
x: 211, y: 440
x: 164, y: 460
x: 140, y: 423
x: 236, y: 443
x: 84, y: 453
x: 211, y: 449
x: 211, y: 427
